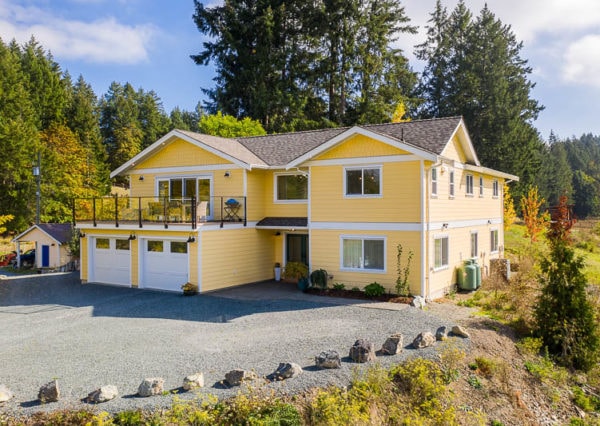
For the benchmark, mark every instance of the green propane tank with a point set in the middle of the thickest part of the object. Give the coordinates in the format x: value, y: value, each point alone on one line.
x: 471, y: 276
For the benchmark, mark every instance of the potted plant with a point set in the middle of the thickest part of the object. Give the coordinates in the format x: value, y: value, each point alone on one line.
x: 189, y: 289
x: 296, y: 272
x: 277, y: 270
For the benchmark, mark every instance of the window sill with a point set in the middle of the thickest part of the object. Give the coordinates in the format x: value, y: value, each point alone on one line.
x: 441, y: 268
x: 290, y: 201
x: 469, y: 195
x: 369, y: 271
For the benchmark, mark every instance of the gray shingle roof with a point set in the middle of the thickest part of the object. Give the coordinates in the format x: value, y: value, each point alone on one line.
x: 61, y: 232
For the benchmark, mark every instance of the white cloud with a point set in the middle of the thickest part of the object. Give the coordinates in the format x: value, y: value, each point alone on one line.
x: 581, y: 61
x: 100, y: 41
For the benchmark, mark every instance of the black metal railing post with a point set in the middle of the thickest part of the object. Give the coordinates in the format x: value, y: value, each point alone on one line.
x: 194, y: 218
x: 245, y: 212
x: 140, y: 211
x: 94, y: 211
x: 165, y: 219
x: 116, y: 211
x: 221, y: 211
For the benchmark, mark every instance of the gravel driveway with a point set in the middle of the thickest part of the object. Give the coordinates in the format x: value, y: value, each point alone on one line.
x: 93, y: 335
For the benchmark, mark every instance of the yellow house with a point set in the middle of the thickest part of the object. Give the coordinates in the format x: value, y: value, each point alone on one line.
x: 221, y: 212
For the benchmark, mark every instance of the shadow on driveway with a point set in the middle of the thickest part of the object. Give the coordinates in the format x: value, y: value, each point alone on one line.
x: 32, y: 294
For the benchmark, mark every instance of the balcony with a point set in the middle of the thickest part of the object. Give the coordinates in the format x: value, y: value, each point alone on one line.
x: 166, y: 211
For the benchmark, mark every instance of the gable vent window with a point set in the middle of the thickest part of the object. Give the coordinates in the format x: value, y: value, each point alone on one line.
x: 495, y: 189
x: 434, y: 182
x: 451, y: 184
x: 470, y: 185
x: 481, y: 186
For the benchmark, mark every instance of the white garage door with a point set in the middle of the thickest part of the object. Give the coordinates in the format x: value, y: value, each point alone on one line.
x: 112, y: 261
x: 165, y: 264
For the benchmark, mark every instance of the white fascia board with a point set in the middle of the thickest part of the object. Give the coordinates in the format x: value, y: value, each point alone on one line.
x: 491, y: 172
x: 167, y: 138
x: 356, y: 130
x: 467, y: 138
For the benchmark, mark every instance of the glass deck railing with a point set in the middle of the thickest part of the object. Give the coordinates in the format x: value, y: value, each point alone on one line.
x: 159, y: 210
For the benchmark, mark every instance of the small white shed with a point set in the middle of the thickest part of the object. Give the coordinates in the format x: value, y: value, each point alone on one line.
x: 51, y: 244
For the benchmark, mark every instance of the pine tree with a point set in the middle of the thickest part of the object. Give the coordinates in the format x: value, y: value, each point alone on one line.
x: 565, y: 318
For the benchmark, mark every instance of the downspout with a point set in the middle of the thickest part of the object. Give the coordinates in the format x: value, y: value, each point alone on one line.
x: 423, y: 233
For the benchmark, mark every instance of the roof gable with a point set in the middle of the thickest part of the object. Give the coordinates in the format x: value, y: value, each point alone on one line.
x: 360, y: 145
x: 60, y: 232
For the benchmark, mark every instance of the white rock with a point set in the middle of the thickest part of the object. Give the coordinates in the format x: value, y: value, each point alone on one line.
x: 103, y: 394
x: 193, y: 381
x: 5, y: 393
x: 151, y: 386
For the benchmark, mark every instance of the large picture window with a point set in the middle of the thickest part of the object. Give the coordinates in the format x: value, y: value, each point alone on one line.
x: 291, y: 187
x: 363, y: 253
x: 363, y: 181
x: 441, y: 252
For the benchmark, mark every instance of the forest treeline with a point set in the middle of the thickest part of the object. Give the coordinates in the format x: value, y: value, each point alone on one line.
x: 288, y: 66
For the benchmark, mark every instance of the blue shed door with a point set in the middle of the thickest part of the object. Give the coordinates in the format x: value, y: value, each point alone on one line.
x: 45, y: 256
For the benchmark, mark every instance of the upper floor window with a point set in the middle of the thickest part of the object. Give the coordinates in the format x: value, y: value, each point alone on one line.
x: 291, y: 187
x: 495, y: 189
x: 481, y: 186
x: 474, y: 248
x: 451, y: 183
x: 469, y: 184
x: 362, y: 181
x: 434, y: 182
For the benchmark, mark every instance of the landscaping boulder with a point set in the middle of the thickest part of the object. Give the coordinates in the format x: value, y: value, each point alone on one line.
x: 393, y: 344
x: 418, y: 302
x: 237, y: 377
x: 441, y: 333
x: 457, y: 330
x: 362, y: 351
x: 286, y: 370
x: 151, y: 386
x: 193, y: 381
x: 328, y: 359
x: 5, y: 393
x: 49, y: 392
x: 424, y: 340
x: 103, y: 394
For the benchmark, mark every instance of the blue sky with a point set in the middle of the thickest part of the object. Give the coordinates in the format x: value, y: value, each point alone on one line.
x: 149, y: 42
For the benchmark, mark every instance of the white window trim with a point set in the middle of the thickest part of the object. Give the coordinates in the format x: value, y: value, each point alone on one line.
x: 372, y: 166
x: 434, y: 194
x: 277, y: 200
x: 497, y: 241
x: 481, y: 186
x: 363, y: 238
x: 495, y: 189
x: 470, y: 193
x: 158, y: 179
x: 451, y: 184
x: 476, y: 233
x: 443, y: 267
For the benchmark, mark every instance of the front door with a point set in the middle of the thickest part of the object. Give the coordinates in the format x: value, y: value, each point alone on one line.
x: 45, y: 256
x: 297, y: 248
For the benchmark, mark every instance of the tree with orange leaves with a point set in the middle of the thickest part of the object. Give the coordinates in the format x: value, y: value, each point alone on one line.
x: 535, y: 222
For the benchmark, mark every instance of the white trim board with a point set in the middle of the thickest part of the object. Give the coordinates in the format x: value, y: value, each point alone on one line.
x: 363, y: 160
x: 365, y: 226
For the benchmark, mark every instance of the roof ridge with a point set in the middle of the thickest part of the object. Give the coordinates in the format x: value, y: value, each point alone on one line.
x: 327, y: 129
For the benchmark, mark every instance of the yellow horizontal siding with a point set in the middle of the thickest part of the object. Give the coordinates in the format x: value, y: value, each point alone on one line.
x: 280, y: 209
x: 325, y: 253
x: 463, y: 207
x: 400, y: 201
x: 233, y: 257
x: 455, y: 151
x: 256, y: 193
x: 180, y: 153
x: 359, y: 146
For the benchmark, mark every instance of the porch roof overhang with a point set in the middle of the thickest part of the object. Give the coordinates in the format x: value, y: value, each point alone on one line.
x: 283, y: 223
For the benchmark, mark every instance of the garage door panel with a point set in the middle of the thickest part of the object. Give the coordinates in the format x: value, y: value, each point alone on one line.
x: 112, y: 261
x: 165, y: 265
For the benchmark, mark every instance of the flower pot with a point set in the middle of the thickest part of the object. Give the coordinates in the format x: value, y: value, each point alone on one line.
x: 277, y: 270
x: 302, y: 283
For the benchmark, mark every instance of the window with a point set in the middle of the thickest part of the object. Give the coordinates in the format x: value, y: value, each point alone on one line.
x: 495, y: 189
x: 291, y: 187
x: 363, y: 253
x: 155, y: 246
x: 178, y: 247
x: 451, y: 181
x: 474, y: 249
x: 441, y: 252
x: 469, y: 184
x: 433, y: 182
x: 122, y: 244
x: 494, y: 241
x: 102, y: 243
x: 481, y: 186
x: 363, y: 181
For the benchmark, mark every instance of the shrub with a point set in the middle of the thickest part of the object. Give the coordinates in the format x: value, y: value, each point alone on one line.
x: 339, y: 286
x: 374, y: 289
x: 451, y: 358
x: 403, y: 272
x: 421, y: 381
x: 318, y: 277
x: 295, y: 271
x: 486, y: 366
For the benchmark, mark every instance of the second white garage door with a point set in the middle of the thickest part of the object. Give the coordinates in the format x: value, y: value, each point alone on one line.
x: 165, y: 264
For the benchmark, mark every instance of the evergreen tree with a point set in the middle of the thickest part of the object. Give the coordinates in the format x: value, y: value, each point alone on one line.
x: 556, y: 176
x: 18, y: 140
x: 474, y: 69
x: 153, y: 120
x: 565, y: 318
